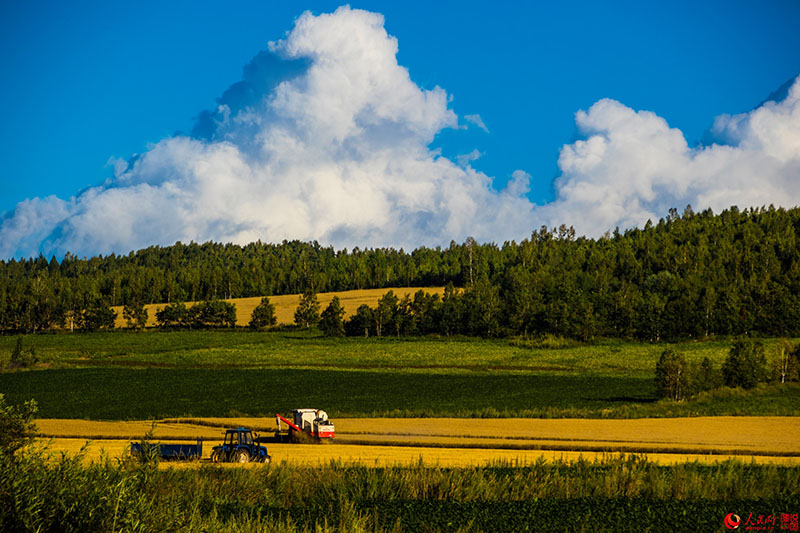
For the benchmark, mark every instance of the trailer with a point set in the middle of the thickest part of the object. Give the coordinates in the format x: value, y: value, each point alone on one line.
x: 170, y: 452
x: 308, y: 424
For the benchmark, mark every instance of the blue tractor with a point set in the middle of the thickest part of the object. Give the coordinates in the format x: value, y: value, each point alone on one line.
x: 240, y: 447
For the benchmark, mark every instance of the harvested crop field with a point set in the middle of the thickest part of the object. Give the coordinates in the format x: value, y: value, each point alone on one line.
x: 456, y: 442
x: 285, y: 305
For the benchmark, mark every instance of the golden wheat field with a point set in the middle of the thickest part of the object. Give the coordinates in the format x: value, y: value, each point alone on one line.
x: 285, y: 305
x: 464, y: 442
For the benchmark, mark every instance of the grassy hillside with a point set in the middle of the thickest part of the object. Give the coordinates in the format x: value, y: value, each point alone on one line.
x: 125, y: 375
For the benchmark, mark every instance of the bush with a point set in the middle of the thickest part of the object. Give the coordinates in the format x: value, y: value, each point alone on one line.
x: 263, y: 315
x: 135, y: 315
x: 746, y: 365
x: 672, y: 377
x: 172, y: 315
x: 22, y: 358
x: 703, y: 377
x: 212, y: 313
x: 98, y: 316
x: 16, y: 425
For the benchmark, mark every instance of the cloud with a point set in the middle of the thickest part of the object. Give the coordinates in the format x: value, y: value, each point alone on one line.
x: 477, y: 120
x: 632, y: 166
x: 326, y: 137
x: 465, y: 159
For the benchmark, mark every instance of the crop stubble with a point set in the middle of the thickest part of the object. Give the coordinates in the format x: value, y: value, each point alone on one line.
x: 465, y: 442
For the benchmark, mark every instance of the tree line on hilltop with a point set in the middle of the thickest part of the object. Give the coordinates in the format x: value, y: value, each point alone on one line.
x: 688, y: 275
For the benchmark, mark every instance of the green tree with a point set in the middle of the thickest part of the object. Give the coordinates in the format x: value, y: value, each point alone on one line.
x: 263, y: 315
x: 746, y: 364
x: 212, y: 313
x: 360, y: 323
x: 331, y: 322
x: 98, y: 316
x: 17, y: 426
x: 672, y: 378
x: 135, y: 315
x: 385, y: 313
x: 703, y: 376
x: 786, y: 361
x: 452, y: 311
x: 172, y: 315
x: 307, y: 312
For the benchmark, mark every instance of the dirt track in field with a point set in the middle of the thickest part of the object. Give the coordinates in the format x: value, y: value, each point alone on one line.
x: 461, y: 442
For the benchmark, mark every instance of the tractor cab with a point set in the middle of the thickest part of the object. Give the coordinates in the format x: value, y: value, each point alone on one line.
x: 240, y: 447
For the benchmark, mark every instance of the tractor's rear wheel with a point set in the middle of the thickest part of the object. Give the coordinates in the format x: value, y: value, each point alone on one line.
x: 215, y: 458
x: 242, y: 456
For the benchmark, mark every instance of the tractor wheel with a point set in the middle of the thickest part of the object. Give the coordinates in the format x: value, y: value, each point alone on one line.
x: 242, y: 456
x: 215, y: 458
x: 266, y: 459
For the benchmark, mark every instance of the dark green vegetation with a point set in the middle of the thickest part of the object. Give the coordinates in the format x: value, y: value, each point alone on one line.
x: 687, y: 276
x: 16, y: 425
x: 621, y: 494
x: 208, y: 314
x: 127, y: 375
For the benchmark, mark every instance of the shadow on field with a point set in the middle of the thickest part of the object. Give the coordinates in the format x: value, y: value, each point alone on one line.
x: 140, y: 393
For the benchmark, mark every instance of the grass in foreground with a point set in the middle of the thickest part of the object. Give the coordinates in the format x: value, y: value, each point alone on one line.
x: 621, y: 494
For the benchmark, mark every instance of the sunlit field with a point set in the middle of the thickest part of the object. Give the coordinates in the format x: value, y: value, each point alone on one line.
x: 465, y: 442
x: 285, y: 305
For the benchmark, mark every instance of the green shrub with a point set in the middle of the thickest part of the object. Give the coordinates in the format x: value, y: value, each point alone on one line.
x: 263, y: 315
x: 172, y: 315
x: 98, y: 316
x: 135, y: 315
x: 746, y: 365
x: 16, y: 425
x: 22, y: 358
x: 703, y: 377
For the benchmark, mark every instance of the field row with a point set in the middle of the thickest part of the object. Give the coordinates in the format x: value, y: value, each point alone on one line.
x: 462, y: 442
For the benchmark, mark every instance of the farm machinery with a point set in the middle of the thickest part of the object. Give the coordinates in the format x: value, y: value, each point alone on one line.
x: 240, y: 447
x: 308, y: 425
x: 168, y: 452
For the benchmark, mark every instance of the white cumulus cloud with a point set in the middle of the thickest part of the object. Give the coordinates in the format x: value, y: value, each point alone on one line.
x: 632, y: 166
x: 337, y: 150
x: 338, y: 154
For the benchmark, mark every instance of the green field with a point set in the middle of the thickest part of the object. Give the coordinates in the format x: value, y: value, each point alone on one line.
x: 125, y: 375
x: 308, y: 349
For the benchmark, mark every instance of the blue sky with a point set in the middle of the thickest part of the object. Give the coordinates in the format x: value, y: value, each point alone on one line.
x: 87, y: 81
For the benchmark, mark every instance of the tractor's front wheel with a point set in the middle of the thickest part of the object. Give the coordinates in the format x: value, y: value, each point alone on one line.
x: 242, y: 456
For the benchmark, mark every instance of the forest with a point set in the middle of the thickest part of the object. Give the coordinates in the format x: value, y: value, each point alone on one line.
x: 690, y: 275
